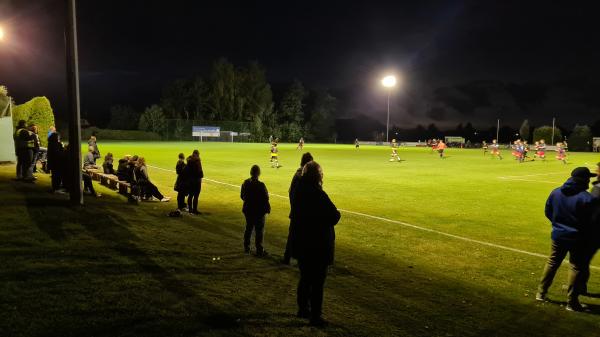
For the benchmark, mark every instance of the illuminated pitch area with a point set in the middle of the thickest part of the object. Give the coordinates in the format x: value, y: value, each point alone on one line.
x: 425, y: 247
x: 466, y: 194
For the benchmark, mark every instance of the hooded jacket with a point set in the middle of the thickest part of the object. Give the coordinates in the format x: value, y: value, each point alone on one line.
x: 569, y: 209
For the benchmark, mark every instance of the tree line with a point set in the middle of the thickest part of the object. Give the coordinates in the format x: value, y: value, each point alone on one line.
x: 237, y: 94
x: 579, y: 137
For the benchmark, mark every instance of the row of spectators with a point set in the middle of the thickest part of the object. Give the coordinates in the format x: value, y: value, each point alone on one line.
x: 28, y: 150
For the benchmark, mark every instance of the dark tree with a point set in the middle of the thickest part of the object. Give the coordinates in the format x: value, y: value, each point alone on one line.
x: 123, y: 117
x: 580, y: 138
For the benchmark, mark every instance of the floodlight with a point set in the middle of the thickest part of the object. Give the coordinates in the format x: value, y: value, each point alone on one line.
x: 389, y: 81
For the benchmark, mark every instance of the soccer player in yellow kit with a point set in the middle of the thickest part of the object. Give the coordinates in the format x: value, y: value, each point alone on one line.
x: 274, y: 155
x: 395, y: 155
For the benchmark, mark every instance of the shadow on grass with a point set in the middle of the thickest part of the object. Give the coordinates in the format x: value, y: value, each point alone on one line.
x: 593, y: 309
x: 51, y: 214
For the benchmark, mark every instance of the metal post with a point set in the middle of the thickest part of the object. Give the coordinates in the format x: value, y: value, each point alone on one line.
x: 498, y: 132
x: 387, y: 125
x: 76, y: 193
x: 553, y: 126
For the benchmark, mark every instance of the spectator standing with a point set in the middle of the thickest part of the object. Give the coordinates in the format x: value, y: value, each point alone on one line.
x: 287, y: 255
x: 313, y: 242
x: 24, y: 151
x: 51, y: 130
x: 569, y: 208
x: 593, y: 241
x: 55, y: 149
x: 36, y: 147
x: 256, y: 205
x: 147, y: 187
x: 107, y: 166
x: 67, y: 171
x: 193, y: 181
x: 179, y: 184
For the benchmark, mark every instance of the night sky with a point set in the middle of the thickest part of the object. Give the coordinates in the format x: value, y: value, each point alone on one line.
x: 460, y: 61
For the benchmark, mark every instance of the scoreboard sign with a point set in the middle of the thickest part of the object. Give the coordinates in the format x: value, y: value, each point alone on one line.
x: 206, y: 131
x: 450, y: 139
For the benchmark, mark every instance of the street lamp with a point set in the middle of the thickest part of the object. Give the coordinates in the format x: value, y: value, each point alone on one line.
x: 389, y: 82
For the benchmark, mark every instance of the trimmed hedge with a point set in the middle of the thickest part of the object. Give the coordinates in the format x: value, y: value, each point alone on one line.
x: 37, y: 111
x: 108, y: 134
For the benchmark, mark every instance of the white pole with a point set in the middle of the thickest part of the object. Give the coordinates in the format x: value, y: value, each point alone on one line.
x: 498, y: 131
x: 553, y: 126
x: 387, y: 127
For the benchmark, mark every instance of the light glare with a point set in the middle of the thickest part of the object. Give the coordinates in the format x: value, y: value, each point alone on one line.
x: 389, y: 81
x: 1, y: 34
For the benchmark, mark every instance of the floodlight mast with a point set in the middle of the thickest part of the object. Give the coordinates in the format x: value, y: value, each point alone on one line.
x: 389, y: 82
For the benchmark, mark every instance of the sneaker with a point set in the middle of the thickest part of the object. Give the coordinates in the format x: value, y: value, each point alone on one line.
x: 98, y: 195
x: 185, y: 209
x: 576, y: 307
x: 285, y: 261
x: 165, y: 199
x: 540, y: 297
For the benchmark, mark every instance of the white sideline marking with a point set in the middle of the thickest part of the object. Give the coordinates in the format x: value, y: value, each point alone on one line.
x: 531, y: 180
x: 534, y: 175
x: 405, y: 224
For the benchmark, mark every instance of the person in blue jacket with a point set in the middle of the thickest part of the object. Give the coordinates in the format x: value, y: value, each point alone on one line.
x: 569, y: 208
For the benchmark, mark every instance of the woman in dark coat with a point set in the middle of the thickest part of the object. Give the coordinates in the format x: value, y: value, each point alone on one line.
x: 313, y: 240
x: 179, y: 185
x: 193, y: 175
x: 55, y: 149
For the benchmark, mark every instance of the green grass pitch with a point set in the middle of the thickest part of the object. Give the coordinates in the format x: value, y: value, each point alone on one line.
x: 425, y: 247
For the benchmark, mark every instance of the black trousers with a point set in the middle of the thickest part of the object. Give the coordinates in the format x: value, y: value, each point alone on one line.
x: 310, y: 287
x: 287, y: 255
x: 589, y: 256
x: 151, y: 189
x: 256, y: 224
x: 56, y: 179
x: 181, y: 199
x: 193, y: 196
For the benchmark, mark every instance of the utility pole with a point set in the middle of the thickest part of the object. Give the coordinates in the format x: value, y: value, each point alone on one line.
x: 76, y: 192
x: 498, y: 131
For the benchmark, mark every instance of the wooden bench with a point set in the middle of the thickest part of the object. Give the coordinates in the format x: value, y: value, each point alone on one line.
x: 109, y: 180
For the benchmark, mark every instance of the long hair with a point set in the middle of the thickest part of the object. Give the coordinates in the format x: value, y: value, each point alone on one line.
x: 307, y: 157
x: 312, y: 173
x: 193, y: 163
